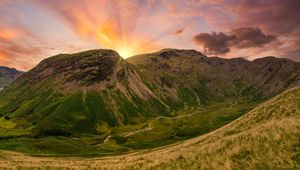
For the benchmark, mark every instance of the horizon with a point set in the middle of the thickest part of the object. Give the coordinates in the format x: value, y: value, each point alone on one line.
x: 247, y: 59
x: 34, y: 30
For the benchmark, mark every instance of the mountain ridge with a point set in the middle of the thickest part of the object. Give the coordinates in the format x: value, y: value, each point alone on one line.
x: 96, y: 96
x: 160, y: 77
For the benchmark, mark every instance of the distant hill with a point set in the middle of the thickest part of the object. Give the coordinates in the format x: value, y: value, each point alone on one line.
x: 7, y: 75
x: 268, y: 137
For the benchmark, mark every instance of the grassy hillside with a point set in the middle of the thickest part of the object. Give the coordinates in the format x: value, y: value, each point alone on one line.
x: 268, y: 137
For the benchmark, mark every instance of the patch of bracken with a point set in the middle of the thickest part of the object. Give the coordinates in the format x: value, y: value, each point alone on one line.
x: 166, y: 82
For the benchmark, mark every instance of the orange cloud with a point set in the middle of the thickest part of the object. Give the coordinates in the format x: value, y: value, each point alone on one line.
x: 2, y: 57
x: 112, y: 24
x: 9, y: 33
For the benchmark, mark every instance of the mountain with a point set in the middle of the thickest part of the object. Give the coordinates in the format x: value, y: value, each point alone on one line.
x: 78, y: 92
x: 265, y: 138
x: 7, y: 75
x: 96, y: 99
x: 204, y: 79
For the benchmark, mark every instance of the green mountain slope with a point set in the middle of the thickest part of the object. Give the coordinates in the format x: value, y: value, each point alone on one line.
x: 268, y: 137
x: 96, y: 103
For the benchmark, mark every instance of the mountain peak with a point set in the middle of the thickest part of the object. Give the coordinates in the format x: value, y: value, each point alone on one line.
x: 94, y: 70
x: 92, y: 66
x: 96, y: 53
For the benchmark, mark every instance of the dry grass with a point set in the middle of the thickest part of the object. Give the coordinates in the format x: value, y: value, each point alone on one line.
x: 268, y: 137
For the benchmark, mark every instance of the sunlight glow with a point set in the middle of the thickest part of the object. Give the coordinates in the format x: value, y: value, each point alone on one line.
x: 125, y: 52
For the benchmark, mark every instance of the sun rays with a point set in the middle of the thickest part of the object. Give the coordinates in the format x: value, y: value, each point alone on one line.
x: 118, y: 26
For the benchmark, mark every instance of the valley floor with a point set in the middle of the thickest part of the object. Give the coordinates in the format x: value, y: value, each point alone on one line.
x: 156, y: 132
x: 268, y: 137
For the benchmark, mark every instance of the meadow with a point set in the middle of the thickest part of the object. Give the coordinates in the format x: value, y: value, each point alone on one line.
x: 156, y: 132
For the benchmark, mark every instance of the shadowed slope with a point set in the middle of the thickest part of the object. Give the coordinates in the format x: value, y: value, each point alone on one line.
x: 8, y: 75
x: 268, y: 137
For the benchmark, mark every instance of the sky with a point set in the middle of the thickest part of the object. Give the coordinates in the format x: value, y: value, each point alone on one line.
x: 32, y: 30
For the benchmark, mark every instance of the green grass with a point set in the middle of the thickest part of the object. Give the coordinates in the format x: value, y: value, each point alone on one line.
x: 12, y: 133
x: 163, y: 131
x: 167, y: 131
x: 267, y: 137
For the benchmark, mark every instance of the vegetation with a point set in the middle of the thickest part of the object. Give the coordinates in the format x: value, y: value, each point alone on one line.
x: 265, y: 138
x: 95, y: 103
x: 159, y: 131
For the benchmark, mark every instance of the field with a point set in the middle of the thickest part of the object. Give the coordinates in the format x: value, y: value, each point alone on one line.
x: 268, y: 137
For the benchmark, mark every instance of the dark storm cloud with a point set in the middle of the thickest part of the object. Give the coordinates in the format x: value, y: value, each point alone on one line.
x: 220, y: 43
x: 277, y: 17
x: 214, y: 43
x: 250, y: 37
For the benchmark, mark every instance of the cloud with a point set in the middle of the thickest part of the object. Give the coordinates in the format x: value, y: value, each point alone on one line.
x: 179, y: 31
x: 35, y: 29
x: 111, y: 23
x: 221, y: 43
x: 277, y: 17
x: 247, y: 37
x: 9, y: 33
x: 214, y: 43
x: 12, y: 47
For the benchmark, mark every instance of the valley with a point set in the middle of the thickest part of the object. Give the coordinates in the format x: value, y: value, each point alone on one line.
x: 157, y: 132
x: 267, y: 137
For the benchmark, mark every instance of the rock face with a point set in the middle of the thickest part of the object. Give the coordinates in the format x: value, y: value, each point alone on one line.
x: 76, y: 93
x: 7, y: 75
x: 92, y: 66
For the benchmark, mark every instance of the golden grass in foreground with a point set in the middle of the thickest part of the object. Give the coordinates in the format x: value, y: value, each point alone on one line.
x: 268, y: 137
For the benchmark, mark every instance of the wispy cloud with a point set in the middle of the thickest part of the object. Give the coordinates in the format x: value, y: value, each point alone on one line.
x: 34, y: 29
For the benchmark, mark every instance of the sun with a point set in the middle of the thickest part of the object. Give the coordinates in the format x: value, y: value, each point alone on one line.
x: 125, y: 52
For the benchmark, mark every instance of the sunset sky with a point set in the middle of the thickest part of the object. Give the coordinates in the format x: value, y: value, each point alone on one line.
x: 31, y: 30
